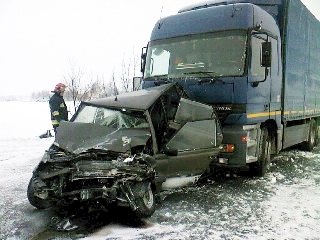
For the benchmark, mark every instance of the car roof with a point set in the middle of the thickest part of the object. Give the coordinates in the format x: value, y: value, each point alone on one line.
x: 139, y: 100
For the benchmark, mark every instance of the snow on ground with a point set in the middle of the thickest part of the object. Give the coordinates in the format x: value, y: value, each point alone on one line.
x: 282, y: 205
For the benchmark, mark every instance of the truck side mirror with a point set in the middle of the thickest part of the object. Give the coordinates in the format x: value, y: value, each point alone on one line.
x: 265, y: 58
x: 266, y: 54
x: 143, y: 59
x: 136, y: 83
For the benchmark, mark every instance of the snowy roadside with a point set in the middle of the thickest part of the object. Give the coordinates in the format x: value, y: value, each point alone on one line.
x: 282, y: 205
x: 18, y: 157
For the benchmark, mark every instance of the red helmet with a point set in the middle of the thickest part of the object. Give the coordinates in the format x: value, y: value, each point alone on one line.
x: 58, y: 87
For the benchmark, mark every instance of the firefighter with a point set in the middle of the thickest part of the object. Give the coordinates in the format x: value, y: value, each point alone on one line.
x: 58, y: 107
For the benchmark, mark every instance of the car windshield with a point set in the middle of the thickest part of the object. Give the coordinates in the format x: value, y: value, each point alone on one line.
x: 115, y: 118
x: 220, y: 54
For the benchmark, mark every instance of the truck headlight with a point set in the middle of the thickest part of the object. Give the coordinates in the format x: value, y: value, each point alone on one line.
x: 227, y: 148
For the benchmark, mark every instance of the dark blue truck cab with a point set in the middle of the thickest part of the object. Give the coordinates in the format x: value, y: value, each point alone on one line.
x: 256, y: 62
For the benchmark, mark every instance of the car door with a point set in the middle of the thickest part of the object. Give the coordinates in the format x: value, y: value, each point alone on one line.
x: 197, y: 139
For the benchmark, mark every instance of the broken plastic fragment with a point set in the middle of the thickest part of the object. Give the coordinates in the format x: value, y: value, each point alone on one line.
x: 65, y: 225
x: 129, y: 159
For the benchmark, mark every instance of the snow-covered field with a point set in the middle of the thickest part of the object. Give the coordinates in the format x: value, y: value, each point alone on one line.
x: 283, y: 205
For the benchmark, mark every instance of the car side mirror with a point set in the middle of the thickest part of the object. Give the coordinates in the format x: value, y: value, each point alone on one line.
x: 170, y: 151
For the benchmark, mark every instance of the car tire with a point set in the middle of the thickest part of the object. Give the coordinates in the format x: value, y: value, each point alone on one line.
x: 34, y: 200
x: 258, y: 169
x: 144, y: 200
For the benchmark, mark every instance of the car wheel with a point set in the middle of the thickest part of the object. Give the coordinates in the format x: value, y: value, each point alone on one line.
x: 34, y: 200
x: 144, y: 199
x: 259, y: 168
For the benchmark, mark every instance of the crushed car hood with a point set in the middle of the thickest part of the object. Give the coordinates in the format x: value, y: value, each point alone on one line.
x: 77, y: 137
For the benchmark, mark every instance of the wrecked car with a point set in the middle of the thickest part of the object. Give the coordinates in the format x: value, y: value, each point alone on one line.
x: 120, y: 151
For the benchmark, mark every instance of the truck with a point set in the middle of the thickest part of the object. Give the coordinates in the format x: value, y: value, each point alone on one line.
x: 256, y: 62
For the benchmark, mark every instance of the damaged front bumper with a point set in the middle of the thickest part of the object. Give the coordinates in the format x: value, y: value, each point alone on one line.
x: 85, y: 181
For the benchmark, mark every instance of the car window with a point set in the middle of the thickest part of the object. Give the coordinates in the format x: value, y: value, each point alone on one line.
x: 116, y: 118
x: 192, y: 111
x: 85, y: 114
x: 195, y: 135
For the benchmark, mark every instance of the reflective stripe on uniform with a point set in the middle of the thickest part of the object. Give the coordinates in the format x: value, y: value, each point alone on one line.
x: 55, y: 122
x: 62, y: 105
x: 55, y: 113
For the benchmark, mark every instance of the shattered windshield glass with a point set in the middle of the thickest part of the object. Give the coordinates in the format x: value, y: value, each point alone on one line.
x: 115, y: 118
x: 221, y: 54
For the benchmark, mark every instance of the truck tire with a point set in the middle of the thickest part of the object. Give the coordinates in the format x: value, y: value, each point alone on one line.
x: 313, y: 138
x: 34, y: 200
x: 144, y: 199
x: 259, y: 168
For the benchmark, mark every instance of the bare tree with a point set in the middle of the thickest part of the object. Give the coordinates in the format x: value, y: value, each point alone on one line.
x: 77, y: 89
x: 125, y: 75
x: 113, y: 85
x: 136, y: 64
x: 128, y: 70
x: 81, y: 89
x: 101, y: 88
x: 105, y: 88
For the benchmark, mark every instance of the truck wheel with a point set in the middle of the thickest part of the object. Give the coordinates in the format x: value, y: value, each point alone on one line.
x: 34, y: 200
x: 312, y: 138
x: 259, y: 168
x: 144, y: 199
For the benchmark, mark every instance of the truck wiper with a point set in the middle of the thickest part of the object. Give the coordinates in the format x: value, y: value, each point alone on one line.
x: 211, y: 75
x: 159, y: 79
x: 162, y: 77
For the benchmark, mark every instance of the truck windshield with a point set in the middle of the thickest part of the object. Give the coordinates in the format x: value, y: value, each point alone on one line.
x: 222, y: 53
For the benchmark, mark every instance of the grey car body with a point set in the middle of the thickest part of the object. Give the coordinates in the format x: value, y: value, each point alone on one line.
x: 122, y: 150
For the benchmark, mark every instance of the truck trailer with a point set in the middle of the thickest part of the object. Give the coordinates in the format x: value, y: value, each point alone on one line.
x: 256, y: 62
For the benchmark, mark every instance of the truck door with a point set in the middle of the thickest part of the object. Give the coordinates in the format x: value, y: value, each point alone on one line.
x: 275, y: 74
x: 259, y: 77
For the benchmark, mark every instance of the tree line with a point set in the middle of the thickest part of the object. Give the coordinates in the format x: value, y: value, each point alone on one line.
x: 83, y: 88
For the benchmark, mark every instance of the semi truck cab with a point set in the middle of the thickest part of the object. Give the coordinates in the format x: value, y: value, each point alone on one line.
x: 231, y: 55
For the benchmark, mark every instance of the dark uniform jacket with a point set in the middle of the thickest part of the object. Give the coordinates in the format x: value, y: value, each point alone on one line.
x: 58, y: 109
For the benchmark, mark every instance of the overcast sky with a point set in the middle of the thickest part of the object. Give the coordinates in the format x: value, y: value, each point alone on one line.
x: 41, y: 40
